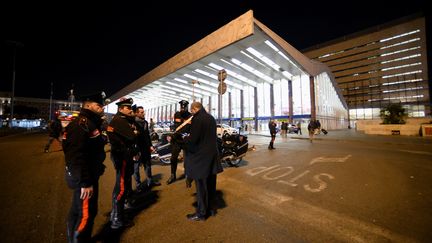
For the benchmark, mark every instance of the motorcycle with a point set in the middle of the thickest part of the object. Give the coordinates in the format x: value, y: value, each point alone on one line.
x: 232, y: 148
x: 163, y: 149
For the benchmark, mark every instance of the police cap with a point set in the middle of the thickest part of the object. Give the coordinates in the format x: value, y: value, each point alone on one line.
x: 98, y: 97
x: 184, y: 103
x: 125, y: 102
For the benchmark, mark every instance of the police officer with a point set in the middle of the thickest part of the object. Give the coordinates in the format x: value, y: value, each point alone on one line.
x: 145, y: 148
x: 176, y: 143
x: 83, y: 147
x: 122, y: 134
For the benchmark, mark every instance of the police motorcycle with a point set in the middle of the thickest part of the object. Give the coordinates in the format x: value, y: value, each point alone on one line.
x: 162, y: 150
x: 232, y: 148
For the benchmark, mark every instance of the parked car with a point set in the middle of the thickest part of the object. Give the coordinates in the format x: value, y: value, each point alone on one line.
x: 222, y: 129
x: 292, y: 128
x: 161, y: 128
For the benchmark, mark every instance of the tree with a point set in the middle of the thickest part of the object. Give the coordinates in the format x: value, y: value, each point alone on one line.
x: 393, y: 114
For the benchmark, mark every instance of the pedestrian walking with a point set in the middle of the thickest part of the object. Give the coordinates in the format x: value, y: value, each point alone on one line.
x: 284, y: 129
x: 312, y: 129
x: 122, y: 134
x: 299, y: 131
x: 55, y: 130
x: 83, y: 147
x: 202, y: 162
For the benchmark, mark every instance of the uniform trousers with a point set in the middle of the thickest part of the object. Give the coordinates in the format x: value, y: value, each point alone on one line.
x: 81, y: 215
x: 175, y: 151
x: 122, y: 188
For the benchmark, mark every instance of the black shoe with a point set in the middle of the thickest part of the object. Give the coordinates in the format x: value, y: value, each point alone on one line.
x: 120, y: 224
x: 128, y: 205
x: 195, y: 217
x: 171, y: 179
x: 188, y: 182
x: 153, y: 183
x: 211, y: 212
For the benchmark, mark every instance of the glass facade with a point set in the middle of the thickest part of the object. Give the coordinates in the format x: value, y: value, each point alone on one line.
x: 329, y: 108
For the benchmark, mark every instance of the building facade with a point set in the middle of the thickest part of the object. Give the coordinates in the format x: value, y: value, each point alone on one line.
x: 382, y: 65
x: 40, y: 107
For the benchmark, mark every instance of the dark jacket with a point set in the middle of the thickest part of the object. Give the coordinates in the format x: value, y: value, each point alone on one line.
x: 311, y: 126
x: 83, y: 147
x: 122, y: 137
x: 202, y: 158
x: 179, y: 118
x: 272, y: 128
x: 143, y: 139
x: 55, y: 128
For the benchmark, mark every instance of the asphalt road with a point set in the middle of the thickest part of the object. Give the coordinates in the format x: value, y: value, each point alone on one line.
x: 343, y: 187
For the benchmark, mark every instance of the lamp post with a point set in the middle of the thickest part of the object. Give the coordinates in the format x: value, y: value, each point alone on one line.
x: 50, y: 105
x: 15, y: 44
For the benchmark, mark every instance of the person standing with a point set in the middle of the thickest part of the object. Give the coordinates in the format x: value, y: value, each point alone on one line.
x: 284, y: 129
x: 299, y: 131
x: 176, y: 143
x: 145, y: 147
x: 122, y: 134
x: 202, y: 162
x: 273, y: 131
x: 83, y: 147
x: 55, y: 132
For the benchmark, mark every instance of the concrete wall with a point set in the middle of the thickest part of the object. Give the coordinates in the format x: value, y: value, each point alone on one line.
x: 411, y: 128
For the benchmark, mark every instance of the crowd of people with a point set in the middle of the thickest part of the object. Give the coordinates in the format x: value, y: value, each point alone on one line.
x: 128, y: 133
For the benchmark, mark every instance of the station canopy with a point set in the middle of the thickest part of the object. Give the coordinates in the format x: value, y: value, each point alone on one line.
x: 246, y: 49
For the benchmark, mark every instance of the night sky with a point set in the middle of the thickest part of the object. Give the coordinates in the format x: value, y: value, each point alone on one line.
x: 103, y: 45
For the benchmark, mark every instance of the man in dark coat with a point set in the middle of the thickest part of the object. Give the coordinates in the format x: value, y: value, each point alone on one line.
x: 145, y: 147
x: 202, y: 159
x: 54, y: 133
x: 83, y: 147
x: 122, y: 134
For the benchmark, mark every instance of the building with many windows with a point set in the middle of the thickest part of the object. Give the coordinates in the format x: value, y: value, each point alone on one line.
x: 384, y: 64
x: 267, y: 79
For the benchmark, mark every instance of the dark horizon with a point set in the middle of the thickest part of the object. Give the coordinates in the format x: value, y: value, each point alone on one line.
x: 106, y: 46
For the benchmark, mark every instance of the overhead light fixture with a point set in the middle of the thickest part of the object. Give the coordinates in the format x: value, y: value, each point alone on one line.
x: 252, y: 70
x: 215, y: 77
x: 263, y: 58
x: 234, y: 74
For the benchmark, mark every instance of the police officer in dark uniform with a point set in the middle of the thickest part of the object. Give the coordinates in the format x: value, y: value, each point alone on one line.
x: 177, y: 141
x: 83, y: 147
x: 122, y: 134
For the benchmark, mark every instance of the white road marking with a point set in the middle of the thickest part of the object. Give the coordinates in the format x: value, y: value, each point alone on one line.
x: 321, y: 184
x: 330, y: 159
x: 416, y: 152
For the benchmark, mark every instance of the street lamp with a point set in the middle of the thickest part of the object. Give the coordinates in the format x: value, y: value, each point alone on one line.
x: 15, y: 44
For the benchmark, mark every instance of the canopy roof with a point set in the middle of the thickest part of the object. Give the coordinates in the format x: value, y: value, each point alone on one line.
x: 249, y: 51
